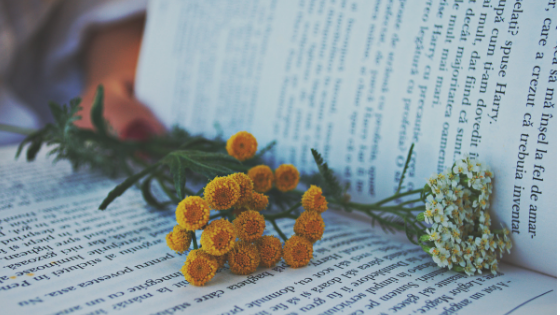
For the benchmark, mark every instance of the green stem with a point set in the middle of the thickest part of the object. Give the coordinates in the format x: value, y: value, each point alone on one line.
x: 282, y: 235
x: 283, y: 214
x: 16, y: 129
x: 195, y: 244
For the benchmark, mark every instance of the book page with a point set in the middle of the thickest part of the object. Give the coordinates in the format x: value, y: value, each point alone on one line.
x: 361, y: 80
x: 60, y: 255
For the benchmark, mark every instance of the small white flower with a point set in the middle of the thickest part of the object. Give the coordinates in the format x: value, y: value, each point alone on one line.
x: 433, y: 234
x: 470, y: 269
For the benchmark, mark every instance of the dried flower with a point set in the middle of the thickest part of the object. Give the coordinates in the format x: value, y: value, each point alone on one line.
x: 286, y: 177
x: 249, y: 225
x: 245, y: 188
x: 458, y: 209
x: 310, y: 225
x: 270, y: 250
x: 179, y: 239
x: 298, y: 251
x: 200, y: 267
x: 221, y: 260
x: 262, y: 178
x: 243, y: 258
x: 258, y: 202
x: 242, y: 145
x: 192, y: 213
x: 218, y: 237
x: 221, y: 193
x: 313, y: 200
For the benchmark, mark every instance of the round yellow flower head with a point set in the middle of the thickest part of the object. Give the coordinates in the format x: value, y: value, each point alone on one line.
x: 192, y: 213
x: 221, y: 193
x: 270, y: 250
x: 218, y: 237
x: 242, y: 146
x: 262, y: 178
x: 200, y: 267
x: 249, y: 225
x: 179, y: 239
x: 221, y: 260
x: 243, y: 258
x: 313, y: 200
x: 258, y: 202
x: 298, y: 251
x: 310, y: 225
x: 286, y: 177
x: 245, y: 188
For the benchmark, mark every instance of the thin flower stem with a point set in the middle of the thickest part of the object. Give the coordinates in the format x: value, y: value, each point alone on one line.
x: 195, y: 244
x: 283, y: 214
x: 282, y: 235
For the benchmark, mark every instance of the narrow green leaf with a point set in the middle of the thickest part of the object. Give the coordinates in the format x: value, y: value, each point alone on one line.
x: 97, y: 119
x: 263, y: 151
x: 405, y: 168
x: 409, y: 233
x: 34, y: 148
x: 146, y: 189
x: 120, y: 189
x: 29, y: 139
x: 328, y: 175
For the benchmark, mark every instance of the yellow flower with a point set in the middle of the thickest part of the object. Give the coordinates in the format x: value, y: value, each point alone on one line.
x: 221, y: 260
x: 245, y: 188
x: 262, y: 178
x: 249, y: 225
x: 242, y: 145
x: 310, y: 225
x: 218, y: 237
x: 179, y: 239
x: 298, y: 251
x: 221, y: 193
x: 258, y: 202
x: 243, y: 258
x: 199, y: 268
x: 192, y: 213
x: 313, y: 200
x: 270, y: 250
x: 286, y: 177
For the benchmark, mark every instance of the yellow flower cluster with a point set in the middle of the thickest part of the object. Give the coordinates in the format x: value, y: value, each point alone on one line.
x: 240, y: 243
x: 309, y: 228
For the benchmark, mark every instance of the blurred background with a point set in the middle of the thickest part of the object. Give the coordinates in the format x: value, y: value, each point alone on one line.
x: 55, y: 50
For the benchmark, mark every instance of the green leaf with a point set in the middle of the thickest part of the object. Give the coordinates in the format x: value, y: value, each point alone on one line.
x: 458, y: 268
x: 405, y: 168
x: 410, y: 233
x: 328, y: 175
x: 425, y: 248
x: 148, y: 196
x: 424, y: 238
x: 420, y: 217
x: 207, y: 164
x: 120, y: 189
x: 30, y: 139
x: 34, y: 148
x: 262, y: 152
x: 97, y: 119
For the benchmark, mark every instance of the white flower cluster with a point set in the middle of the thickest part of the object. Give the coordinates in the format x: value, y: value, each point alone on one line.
x: 458, y: 209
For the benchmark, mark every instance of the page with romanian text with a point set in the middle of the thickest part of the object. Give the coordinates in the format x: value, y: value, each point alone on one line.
x: 361, y: 80
x: 60, y: 255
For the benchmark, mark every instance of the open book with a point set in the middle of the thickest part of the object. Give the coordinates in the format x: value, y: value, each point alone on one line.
x: 361, y: 80
x: 60, y: 255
